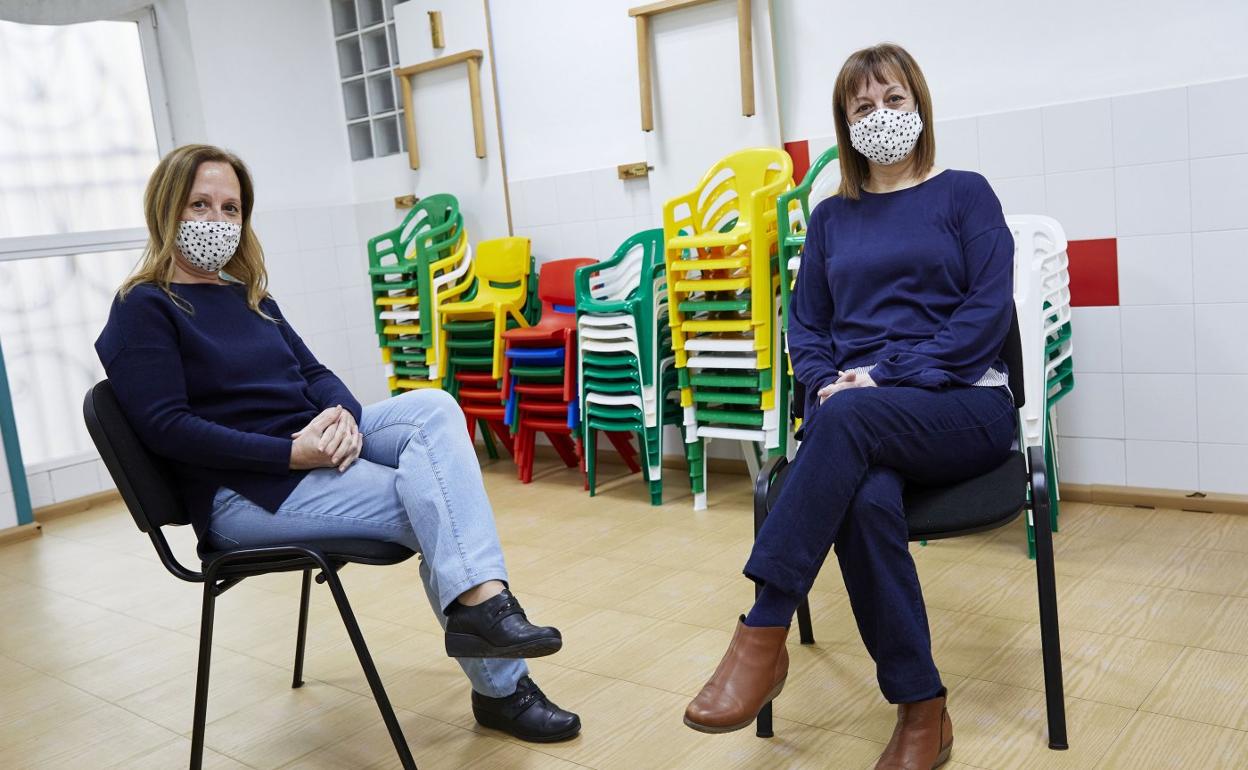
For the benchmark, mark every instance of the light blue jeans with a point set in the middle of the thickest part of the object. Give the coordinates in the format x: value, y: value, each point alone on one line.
x: 417, y: 482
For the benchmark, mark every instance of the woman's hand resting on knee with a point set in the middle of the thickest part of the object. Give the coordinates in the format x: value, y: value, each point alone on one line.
x: 846, y: 381
x: 331, y: 440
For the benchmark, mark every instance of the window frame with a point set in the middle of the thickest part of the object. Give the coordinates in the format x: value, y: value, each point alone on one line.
x: 89, y: 241
x: 84, y: 242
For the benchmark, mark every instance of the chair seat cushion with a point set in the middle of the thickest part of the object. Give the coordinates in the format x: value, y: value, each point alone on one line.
x: 337, y: 550
x: 977, y: 504
x: 974, y: 505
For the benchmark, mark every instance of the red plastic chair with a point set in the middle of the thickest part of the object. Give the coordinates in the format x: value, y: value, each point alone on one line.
x: 480, y: 399
x: 556, y: 288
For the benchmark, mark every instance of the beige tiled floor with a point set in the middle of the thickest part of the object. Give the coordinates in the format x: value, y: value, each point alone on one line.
x: 97, y: 646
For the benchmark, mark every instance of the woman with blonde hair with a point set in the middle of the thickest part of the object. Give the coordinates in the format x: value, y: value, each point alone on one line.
x: 898, y: 319
x: 270, y: 446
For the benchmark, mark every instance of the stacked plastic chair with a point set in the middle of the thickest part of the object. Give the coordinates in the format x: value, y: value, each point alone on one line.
x: 627, y: 375
x: 413, y: 269
x: 720, y: 249
x: 793, y: 217
x: 539, y: 374
x: 473, y: 326
x: 1042, y: 294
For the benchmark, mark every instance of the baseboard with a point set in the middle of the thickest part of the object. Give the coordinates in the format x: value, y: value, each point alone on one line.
x: 1098, y: 494
x: 1202, y: 502
x: 77, y: 505
x: 20, y: 532
x: 607, y: 456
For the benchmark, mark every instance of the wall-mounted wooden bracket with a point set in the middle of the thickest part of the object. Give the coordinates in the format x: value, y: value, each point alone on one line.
x: 470, y: 58
x: 405, y: 201
x: 745, y: 44
x: 633, y: 170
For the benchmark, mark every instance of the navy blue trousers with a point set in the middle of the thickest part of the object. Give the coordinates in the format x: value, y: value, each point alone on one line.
x: 845, y: 487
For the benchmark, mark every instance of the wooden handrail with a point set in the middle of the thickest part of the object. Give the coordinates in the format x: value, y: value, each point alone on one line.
x: 745, y: 46
x: 472, y: 58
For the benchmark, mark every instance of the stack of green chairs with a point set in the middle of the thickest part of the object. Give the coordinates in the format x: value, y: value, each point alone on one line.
x: 414, y: 269
x: 1059, y: 383
x: 626, y: 367
x: 792, y: 217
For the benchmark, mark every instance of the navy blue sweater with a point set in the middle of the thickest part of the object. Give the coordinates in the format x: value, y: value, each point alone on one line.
x: 218, y: 391
x: 918, y: 282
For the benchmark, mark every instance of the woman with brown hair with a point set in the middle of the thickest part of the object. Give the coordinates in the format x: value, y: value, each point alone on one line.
x: 271, y: 447
x: 897, y: 323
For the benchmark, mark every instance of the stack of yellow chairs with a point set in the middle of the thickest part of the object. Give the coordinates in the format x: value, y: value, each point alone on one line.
x: 414, y: 270
x: 721, y: 253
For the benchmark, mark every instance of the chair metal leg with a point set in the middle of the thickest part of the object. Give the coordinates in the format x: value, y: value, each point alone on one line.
x: 1046, y: 585
x: 370, y: 670
x: 302, y: 638
x: 804, y: 629
x: 201, y: 675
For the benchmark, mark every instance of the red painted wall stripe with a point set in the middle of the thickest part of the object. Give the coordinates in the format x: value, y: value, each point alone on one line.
x: 800, y: 153
x: 1093, y: 272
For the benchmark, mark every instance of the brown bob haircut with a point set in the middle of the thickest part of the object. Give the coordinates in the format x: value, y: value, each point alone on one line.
x: 879, y: 63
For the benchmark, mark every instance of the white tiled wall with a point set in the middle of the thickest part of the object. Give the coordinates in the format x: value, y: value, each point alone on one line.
x: 585, y: 214
x: 1159, y: 384
x: 66, y: 480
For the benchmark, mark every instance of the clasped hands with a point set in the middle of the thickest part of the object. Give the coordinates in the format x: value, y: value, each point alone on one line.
x: 331, y: 440
x: 845, y: 381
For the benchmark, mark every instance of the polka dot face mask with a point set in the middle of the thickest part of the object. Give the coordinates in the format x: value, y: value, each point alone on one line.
x: 208, y: 245
x: 886, y: 136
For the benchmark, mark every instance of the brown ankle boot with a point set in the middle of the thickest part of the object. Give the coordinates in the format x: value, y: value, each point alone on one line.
x: 750, y: 675
x: 922, y: 738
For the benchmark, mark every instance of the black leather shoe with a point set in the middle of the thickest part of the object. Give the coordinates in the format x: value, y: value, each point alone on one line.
x: 526, y: 714
x: 497, y: 628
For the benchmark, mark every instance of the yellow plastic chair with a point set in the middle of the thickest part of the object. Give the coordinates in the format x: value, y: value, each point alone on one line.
x: 743, y: 187
x: 502, y: 271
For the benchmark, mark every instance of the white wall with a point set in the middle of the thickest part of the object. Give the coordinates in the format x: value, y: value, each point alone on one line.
x: 697, y: 116
x: 267, y: 82
x: 981, y: 57
x: 567, y: 83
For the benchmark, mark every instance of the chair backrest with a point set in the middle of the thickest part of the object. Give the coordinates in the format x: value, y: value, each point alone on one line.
x: 724, y: 193
x: 802, y: 196
x: 1042, y: 295
x: 556, y: 281
x: 433, y: 223
x: 623, y: 275
x: 502, y: 260
x: 146, y: 484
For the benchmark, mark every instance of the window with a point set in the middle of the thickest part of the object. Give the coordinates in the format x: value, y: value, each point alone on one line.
x: 368, y: 54
x: 77, y: 143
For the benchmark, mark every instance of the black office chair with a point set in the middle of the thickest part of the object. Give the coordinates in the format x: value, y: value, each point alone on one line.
x: 148, y: 489
x: 976, y: 505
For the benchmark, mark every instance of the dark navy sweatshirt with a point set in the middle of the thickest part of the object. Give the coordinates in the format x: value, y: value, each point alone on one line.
x: 217, y: 391
x: 917, y: 282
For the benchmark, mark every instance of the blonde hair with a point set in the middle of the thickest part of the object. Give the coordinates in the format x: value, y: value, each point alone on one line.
x: 167, y: 192
x: 878, y: 63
